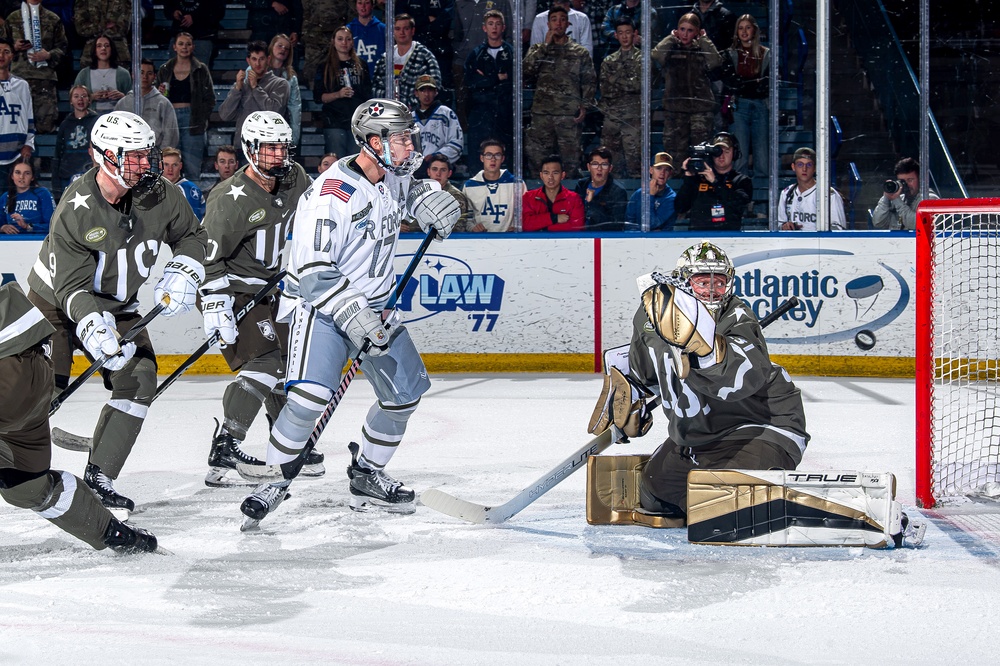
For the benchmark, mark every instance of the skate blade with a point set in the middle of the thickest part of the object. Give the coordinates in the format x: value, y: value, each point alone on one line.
x: 312, y: 471
x: 219, y: 477
x: 371, y: 505
x: 119, y: 513
x: 250, y: 524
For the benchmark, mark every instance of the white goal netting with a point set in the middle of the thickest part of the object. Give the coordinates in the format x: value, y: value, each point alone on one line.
x: 965, y: 403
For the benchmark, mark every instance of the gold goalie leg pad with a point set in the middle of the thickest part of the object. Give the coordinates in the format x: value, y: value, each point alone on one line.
x: 613, y: 493
x: 793, y: 508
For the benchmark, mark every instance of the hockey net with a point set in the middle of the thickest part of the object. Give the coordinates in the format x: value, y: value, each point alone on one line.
x: 957, y: 350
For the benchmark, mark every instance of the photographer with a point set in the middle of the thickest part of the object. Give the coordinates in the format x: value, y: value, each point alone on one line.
x: 897, y: 209
x: 714, y: 196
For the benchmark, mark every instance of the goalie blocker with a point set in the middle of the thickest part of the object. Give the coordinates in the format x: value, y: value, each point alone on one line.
x: 761, y: 507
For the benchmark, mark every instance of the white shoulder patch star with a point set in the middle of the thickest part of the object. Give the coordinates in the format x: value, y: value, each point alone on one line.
x: 739, y: 313
x: 80, y: 200
x: 236, y: 192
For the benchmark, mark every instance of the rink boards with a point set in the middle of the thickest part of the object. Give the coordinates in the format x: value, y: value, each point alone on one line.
x: 552, y: 303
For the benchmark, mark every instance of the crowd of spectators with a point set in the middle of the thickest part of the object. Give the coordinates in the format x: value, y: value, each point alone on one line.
x: 452, y: 63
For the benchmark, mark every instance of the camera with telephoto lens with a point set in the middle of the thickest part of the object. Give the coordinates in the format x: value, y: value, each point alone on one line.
x: 701, y: 153
x: 892, y: 186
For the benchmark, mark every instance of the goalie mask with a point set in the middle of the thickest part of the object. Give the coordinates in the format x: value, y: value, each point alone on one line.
x: 267, y: 140
x: 124, y: 146
x: 709, y: 274
x: 393, y: 124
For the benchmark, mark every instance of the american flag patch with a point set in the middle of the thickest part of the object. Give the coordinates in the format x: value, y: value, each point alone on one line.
x: 337, y: 188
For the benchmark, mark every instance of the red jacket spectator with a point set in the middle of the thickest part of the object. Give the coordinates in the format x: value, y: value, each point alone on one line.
x: 541, y: 214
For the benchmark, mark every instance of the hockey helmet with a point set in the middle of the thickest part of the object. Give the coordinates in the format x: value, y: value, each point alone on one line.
x: 705, y: 258
x: 120, y: 132
x: 384, y: 118
x: 267, y: 135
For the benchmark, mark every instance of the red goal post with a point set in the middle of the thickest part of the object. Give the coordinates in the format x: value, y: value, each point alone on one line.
x: 957, y: 349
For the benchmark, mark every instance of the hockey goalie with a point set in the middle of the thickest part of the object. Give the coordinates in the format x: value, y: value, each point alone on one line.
x: 730, y: 411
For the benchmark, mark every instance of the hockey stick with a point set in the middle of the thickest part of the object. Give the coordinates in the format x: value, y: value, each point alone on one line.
x: 266, y: 473
x: 99, y: 363
x: 483, y: 513
x: 71, y: 442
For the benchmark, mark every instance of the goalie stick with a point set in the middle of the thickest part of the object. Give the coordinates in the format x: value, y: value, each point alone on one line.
x: 99, y: 363
x: 71, y: 442
x: 485, y: 514
x: 271, y: 473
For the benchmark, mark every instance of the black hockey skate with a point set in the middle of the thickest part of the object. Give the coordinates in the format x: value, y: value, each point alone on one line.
x: 263, y: 501
x: 312, y: 466
x: 103, y: 485
x: 128, y: 539
x: 373, y: 488
x: 223, y: 457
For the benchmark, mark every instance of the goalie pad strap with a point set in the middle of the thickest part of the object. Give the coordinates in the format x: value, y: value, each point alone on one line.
x: 792, y: 508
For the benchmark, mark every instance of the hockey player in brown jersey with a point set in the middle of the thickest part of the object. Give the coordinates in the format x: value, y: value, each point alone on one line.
x: 26, y: 480
x: 704, y: 353
x: 248, y: 220
x: 105, y: 236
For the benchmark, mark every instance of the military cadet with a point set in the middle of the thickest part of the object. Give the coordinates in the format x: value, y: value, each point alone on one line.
x: 320, y: 19
x: 727, y: 404
x: 686, y: 57
x: 36, y: 58
x: 565, y: 82
x: 489, y: 83
x: 103, y: 242
x: 621, y: 102
x: 113, y: 18
x: 248, y: 220
x: 26, y: 480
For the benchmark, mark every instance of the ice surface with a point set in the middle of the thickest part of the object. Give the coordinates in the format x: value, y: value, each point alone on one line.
x: 322, y: 584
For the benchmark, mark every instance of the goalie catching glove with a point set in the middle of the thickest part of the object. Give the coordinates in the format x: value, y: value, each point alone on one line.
x: 99, y: 336
x: 218, y: 312
x: 622, y: 403
x: 681, y: 320
x: 181, y: 278
x: 361, y: 324
x: 432, y: 207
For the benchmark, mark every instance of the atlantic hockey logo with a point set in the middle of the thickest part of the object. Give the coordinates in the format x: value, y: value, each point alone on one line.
x: 446, y: 284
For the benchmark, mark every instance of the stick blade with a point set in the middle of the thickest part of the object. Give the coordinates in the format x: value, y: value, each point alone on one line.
x: 71, y: 442
x: 452, y: 506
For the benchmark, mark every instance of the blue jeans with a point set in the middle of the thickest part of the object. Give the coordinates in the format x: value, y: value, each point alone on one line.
x: 750, y: 125
x: 340, y: 141
x: 192, y: 147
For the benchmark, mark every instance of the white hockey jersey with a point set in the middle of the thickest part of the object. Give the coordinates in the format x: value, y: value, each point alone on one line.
x: 344, y: 240
x: 800, y: 208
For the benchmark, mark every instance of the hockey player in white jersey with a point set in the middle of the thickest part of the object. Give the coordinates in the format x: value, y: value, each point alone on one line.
x: 340, y: 276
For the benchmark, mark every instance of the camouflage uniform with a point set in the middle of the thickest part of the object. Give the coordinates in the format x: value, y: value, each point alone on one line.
x: 564, y: 80
x: 320, y: 18
x: 91, y: 18
x: 41, y: 80
x: 621, y: 91
x: 688, y: 98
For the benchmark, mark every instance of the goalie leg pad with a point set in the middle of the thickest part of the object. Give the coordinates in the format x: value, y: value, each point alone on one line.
x: 613, y: 493
x: 793, y: 508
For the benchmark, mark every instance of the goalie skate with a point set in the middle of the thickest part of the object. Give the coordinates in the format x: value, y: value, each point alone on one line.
x: 374, y: 489
x: 224, y: 457
x: 262, y: 502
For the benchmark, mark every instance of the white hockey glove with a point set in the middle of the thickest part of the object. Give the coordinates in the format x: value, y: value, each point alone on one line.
x: 99, y: 336
x: 361, y: 323
x: 681, y: 320
x: 218, y: 312
x: 433, y: 208
x: 181, y: 278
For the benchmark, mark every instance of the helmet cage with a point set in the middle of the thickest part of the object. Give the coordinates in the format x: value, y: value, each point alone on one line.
x: 707, y: 259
